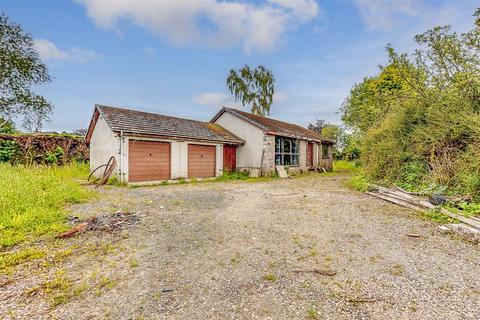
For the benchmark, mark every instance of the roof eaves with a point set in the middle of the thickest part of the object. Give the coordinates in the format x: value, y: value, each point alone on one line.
x: 180, y: 137
x: 292, y: 136
x: 100, y: 111
x: 218, y: 114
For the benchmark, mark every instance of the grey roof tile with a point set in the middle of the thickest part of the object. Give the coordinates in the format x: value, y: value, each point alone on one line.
x: 145, y: 123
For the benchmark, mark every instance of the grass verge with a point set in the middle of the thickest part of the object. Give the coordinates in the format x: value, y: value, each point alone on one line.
x: 358, y: 181
x: 32, y: 200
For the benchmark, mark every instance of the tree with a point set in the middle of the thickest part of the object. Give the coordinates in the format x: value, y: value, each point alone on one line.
x: 80, y: 132
x: 317, y: 126
x: 418, y: 121
x: 20, y: 69
x: 370, y: 101
x: 6, y: 126
x: 255, y: 87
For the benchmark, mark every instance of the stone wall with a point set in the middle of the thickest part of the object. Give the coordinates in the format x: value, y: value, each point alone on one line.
x: 316, y: 158
x: 303, y: 154
x: 327, y: 163
x: 268, y: 165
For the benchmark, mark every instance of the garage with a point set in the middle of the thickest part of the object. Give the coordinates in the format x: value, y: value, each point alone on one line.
x: 201, y: 161
x: 148, y: 160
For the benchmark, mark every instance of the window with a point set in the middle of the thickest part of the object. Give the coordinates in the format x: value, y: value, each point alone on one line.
x: 286, y: 152
x: 325, y: 151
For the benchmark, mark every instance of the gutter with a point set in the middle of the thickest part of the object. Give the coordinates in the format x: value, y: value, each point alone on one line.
x: 181, y: 138
x: 294, y: 136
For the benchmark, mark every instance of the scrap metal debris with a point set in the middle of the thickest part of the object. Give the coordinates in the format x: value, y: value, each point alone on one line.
x: 106, y: 222
x: 361, y: 300
x: 107, y: 172
x: 329, y: 273
x: 79, y: 228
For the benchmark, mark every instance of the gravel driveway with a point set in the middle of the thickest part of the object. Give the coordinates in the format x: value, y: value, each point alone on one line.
x: 304, y: 248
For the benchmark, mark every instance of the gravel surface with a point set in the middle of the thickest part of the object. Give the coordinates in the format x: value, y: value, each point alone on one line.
x: 303, y: 248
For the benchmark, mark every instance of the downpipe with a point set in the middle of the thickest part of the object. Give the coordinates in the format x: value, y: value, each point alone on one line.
x: 120, y: 165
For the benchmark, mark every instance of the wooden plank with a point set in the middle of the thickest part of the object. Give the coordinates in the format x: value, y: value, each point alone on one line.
x: 426, y: 205
x: 396, y: 201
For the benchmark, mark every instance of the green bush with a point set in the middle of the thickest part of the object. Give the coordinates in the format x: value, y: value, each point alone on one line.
x: 55, y: 156
x: 418, y: 120
x: 412, y: 175
x: 360, y: 183
x: 8, y: 150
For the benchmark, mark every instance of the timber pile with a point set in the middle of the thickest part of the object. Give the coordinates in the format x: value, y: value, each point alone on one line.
x: 468, y: 227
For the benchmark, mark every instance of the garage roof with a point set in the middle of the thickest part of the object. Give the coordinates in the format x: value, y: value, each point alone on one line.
x: 145, y: 123
x: 275, y: 127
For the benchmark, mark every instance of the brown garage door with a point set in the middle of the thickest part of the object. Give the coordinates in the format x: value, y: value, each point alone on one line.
x: 148, y: 160
x: 201, y: 161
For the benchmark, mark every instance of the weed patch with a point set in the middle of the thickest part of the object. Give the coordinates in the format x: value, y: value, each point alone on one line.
x: 233, y: 175
x: 439, y: 217
x: 11, y: 259
x: 346, y: 166
x: 32, y: 200
x: 360, y: 183
x: 270, y: 277
x: 312, y: 314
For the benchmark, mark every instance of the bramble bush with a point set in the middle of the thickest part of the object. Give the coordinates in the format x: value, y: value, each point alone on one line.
x: 418, y: 120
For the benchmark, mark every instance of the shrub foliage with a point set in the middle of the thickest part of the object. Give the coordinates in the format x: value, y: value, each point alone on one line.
x: 42, y: 149
x: 418, y: 120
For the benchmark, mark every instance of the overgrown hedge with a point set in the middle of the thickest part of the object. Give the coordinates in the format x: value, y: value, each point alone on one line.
x: 418, y: 120
x: 31, y: 149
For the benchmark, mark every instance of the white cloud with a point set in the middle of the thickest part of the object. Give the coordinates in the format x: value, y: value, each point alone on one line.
x: 210, y: 23
x: 212, y: 99
x: 149, y: 52
x: 303, y: 9
x: 48, y: 51
x: 280, y: 96
x: 384, y: 14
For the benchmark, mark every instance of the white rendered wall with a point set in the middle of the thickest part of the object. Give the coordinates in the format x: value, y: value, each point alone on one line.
x: 104, y: 144
x: 249, y: 155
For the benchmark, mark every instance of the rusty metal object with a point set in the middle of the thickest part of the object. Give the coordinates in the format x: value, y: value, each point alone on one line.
x: 107, y: 172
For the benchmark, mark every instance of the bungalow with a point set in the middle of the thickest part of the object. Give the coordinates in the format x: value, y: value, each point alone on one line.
x: 151, y: 147
x: 271, y: 143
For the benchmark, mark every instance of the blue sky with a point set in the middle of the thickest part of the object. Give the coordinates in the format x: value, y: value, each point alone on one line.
x: 172, y: 56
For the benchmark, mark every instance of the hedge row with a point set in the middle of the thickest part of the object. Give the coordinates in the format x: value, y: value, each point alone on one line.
x: 31, y: 149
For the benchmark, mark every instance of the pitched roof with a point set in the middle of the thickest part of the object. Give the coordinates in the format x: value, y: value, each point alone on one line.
x: 273, y: 126
x: 145, y: 123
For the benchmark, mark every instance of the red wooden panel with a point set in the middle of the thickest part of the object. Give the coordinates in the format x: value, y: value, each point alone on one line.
x: 229, y: 157
x: 310, y: 155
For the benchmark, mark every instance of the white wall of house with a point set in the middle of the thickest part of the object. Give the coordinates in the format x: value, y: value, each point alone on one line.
x: 219, y: 160
x: 104, y: 144
x: 179, y: 159
x: 249, y: 155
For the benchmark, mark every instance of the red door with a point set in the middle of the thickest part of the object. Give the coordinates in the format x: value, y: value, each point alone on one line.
x: 229, y: 157
x: 310, y: 155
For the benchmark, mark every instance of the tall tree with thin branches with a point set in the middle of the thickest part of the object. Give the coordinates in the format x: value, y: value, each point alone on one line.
x: 254, y: 87
x: 20, y: 69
